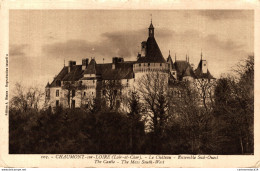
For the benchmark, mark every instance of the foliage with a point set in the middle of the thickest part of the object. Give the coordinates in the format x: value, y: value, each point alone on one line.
x: 178, y: 125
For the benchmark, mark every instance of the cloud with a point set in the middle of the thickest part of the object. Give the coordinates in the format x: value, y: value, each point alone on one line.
x: 226, y: 14
x: 17, y: 50
x: 122, y: 43
x: 224, y: 45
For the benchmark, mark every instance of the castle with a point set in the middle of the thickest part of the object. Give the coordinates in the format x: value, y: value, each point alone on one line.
x: 77, y: 85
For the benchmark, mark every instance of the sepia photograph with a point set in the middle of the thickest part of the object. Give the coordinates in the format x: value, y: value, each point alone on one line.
x: 160, y: 82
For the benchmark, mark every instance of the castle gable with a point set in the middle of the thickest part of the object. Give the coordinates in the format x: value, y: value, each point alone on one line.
x: 183, y: 69
x: 199, y: 72
x: 59, y: 77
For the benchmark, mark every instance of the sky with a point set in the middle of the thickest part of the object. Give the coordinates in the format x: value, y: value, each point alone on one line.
x: 41, y: 40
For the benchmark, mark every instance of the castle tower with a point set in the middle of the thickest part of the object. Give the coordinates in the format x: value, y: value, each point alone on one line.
x: 151, y: 30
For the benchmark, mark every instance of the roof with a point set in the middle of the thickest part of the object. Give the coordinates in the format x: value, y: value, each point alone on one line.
x: 183, y: 69
x: 151, y: 25
x: 200, y: 74
x: 75, y: 73
x: 169, y: 60
x: 122, y: 70
x: 91, y: 68
x: 60, y: 76
x: 153, y: 53
x: 48, y: 85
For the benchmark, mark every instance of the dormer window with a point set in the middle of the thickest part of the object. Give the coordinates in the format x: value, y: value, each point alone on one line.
x: 58, y: 83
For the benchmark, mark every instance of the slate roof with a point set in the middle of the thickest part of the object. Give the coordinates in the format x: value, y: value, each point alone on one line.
x: 169, y: 60
x: 60, y: 76
x: 75, y: 74
x: 122, y: 70
x: 151, y: 26
x: 153, y: 53
x: 199, y: 73
x: 183, y: 69
x: 91, y: 68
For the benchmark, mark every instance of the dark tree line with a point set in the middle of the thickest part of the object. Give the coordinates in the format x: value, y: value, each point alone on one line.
x: 156, y: 122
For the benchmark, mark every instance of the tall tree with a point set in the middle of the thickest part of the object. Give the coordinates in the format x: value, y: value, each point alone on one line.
x: 235, y: 105
x: 153, y: 90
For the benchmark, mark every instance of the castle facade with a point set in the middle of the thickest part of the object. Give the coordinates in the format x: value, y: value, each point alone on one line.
x: 77, y: 85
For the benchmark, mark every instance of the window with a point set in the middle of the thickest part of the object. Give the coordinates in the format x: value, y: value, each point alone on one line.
x: 48, y: 93
x: 93, y: 81
x: 204, y: 64
x: 148, y: 64
x: 73, y: 93
x: 84, y: 93
x: 115, y: 92
x: 92, y: 93
x: 139, y: 65
x: 104, y: 92
x: 57, y: 93
x: 160, y: 64
x: 127, y: 80
x: 57, y: 102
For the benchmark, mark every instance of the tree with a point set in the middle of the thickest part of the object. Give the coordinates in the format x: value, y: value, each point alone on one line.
x: 235, y: 105
x: 205, y: 89
x: 25, y: 99
x: 135, y: 117
x: 153, y: 90
x: 112, y: 91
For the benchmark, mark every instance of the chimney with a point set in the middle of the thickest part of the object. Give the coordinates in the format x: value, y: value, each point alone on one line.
x: 143, y: 49
x: 71, y: 63
x: 116, y: 60
x: 84, y: 63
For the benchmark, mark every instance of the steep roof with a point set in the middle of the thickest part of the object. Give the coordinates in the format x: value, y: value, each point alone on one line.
x: 151, y: 25
x: 75, y: 73
x: 153, y: 52
x: 183, y: 69
x: 169, y: 60
x: 91, y: 68
x: 200, y: 74
x: 60, y: 76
